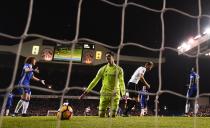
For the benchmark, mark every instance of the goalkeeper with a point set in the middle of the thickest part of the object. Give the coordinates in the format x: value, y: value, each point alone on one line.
x: 113, y: 86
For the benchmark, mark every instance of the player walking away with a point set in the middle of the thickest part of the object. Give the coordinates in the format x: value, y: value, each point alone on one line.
x: 133, y: 86
x: 113, y: 86
x: 9, y: 103
x: 192, y: 92
x: 24, y: 85
x: 143, y: 98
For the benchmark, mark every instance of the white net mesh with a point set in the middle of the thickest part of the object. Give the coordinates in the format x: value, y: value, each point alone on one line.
x: 123, y: 6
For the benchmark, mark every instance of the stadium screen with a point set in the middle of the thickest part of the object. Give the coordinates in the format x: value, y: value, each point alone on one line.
x: 64, y: 53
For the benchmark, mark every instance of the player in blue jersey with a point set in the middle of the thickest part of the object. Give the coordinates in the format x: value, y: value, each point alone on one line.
x: 9, y: 103
x: 24, y: 84
x: 143, y: 98
x: 192, y: 92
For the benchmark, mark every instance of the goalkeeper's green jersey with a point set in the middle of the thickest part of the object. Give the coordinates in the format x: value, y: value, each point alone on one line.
x: 108, y: 73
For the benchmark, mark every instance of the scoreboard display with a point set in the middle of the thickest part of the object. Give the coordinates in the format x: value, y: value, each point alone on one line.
x: 47, y: 51
x: 65, y: 53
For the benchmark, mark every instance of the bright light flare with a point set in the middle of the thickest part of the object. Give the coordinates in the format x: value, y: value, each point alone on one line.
x: 184, y: 47
x: 49, y: 86
x: 198, y: 36
x: 194, y: 42
x: 191, y: 41
x: 207, y: 31
x: 207, y: 54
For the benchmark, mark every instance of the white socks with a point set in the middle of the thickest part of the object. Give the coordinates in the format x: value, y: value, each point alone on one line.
x: 7, y: 112
x: 142, y: 112
x: 187, y: 108
x: 22, y: 103
x: 196, y: 108
x: 19, y: 105
x: 25, y: 107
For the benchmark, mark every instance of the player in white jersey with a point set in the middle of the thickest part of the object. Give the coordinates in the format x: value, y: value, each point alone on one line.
x: 133, y: 86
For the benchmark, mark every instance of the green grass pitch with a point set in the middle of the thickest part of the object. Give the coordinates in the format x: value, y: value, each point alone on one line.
x: 96, y: 122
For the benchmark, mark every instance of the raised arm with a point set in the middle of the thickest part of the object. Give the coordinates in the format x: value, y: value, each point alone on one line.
x: 38, y: 80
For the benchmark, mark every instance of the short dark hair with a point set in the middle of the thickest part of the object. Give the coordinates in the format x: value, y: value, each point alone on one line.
x: 110, y: 53
x: 150, y: 63
x: 30, y: 59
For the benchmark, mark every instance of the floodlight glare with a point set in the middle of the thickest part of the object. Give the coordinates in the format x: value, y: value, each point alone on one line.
x: 191, y: 40
x: 199, y: 40
x: 198, y: 36
x: 207, y: 31
x: 207, y: 54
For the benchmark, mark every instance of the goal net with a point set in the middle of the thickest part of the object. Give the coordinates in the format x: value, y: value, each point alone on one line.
x: 170, y: 33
